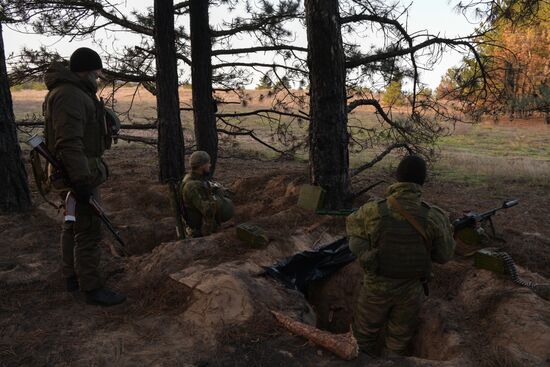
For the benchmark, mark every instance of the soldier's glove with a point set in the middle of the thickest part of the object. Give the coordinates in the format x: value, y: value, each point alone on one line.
x: 82, y: 192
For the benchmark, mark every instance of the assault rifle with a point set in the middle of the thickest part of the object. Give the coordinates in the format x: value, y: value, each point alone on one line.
x: 469, y: 228
x: 37, y: 144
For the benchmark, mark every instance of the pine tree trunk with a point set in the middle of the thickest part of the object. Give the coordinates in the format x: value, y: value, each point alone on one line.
x: 510, y: 88
x: 14, y: 188
x: 204, y: 112
x: 171, y: 148
x: 328, y: 135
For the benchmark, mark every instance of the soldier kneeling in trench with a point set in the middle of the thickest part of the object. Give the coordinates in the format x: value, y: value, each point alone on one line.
x: 206, y: 203
x: 395, y: 240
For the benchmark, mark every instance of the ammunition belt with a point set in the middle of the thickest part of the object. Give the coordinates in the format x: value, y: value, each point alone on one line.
x: 511, y: 270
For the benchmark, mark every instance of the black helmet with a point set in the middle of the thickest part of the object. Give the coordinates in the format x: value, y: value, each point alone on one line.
x: 412, y: 168
x: 85, y: 59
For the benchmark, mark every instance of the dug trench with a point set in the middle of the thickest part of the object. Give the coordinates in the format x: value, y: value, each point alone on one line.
x: 205, y: 301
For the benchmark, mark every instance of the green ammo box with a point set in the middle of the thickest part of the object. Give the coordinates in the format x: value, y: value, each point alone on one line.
x: 252, y: 235
x: 311, y: 197
x: 489, y: 260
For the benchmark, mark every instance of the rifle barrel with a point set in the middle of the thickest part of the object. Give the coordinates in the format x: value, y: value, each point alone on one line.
x: 101, y: 214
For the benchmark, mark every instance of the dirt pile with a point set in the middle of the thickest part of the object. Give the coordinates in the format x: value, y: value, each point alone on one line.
x: 334, y: 299
x: 487, y: 321
x: 204, y: 302
x: 473, y: 317
x: 270, y: 194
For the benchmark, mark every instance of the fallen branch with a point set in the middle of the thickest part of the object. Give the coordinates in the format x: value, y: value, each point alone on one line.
x: 343, y: 345
x: 39, y: 123
x: 152, y: 126
x: 138, y: 139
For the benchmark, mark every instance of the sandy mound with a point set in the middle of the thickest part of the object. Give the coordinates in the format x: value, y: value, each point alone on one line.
x: 473, y: 317
x: 203, y: 302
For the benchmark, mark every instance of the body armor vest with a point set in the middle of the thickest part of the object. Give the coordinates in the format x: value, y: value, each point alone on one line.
x: 402, y: 251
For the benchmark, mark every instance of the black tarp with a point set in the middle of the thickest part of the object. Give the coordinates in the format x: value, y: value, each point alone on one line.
x: 299, y: 270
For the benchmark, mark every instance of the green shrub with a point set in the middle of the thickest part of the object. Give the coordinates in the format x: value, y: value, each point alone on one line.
x: 394, y: 95
x: 34, y: 85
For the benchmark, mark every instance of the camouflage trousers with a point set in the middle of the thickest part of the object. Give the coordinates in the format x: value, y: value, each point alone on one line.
x: 80, y: 247
x: 390, y: 315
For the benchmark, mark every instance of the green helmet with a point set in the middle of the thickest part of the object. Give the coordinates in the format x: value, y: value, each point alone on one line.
x: 198, y: 159
x: 226, y: 209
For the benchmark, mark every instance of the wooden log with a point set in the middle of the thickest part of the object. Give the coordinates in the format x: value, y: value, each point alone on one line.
x: 139, y: 139
x: 343, y: 345
x: 136, y: 126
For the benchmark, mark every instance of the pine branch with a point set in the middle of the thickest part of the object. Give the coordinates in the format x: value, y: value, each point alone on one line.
x: 258, y: 112
x: 234, y: 51
x: 257, y: 64
x: 356, y: 61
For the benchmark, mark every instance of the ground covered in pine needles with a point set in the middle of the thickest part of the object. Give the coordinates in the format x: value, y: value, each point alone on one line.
x: 204, y: 302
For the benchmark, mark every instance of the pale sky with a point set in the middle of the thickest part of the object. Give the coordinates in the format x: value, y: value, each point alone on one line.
x: 436, y: 16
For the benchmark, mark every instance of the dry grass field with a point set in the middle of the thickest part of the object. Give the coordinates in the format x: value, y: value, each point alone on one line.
x: 517, y: 152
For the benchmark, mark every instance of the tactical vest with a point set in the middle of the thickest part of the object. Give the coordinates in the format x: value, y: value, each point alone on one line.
x: 225, y: 209
x: 97, y: 137
x: 401, y: 250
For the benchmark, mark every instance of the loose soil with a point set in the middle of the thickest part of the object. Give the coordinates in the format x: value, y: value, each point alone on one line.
x: 204, y: 302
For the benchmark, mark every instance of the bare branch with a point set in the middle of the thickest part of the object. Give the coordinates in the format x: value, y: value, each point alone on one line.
x: 257, y: 112
x: 368, y: 188
x: 236, y: 131
x: 257, y: 64
x: 258, y: 49
x: 137, y: 78
x: 356, y: 61
x: 96, y: 7
x: 377, y: 106
x: 379, y: 157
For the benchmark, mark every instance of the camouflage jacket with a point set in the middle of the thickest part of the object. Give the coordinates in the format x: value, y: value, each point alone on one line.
x: 200, y: 205
x: 363, y: 230
x: 75, y: 130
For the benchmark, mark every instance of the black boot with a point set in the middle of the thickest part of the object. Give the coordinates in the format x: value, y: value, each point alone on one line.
x: 104, y: 297
x: 72, y: 283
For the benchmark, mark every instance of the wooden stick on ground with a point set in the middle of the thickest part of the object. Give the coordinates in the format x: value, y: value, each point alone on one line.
x: 343, y: 345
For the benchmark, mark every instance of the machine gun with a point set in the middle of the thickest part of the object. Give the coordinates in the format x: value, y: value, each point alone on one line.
x: 299, y: 270
x: 37, y: 144
x: 470, y: 227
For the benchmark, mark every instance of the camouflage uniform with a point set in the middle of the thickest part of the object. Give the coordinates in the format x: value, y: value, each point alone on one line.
x: 77, y: 134
x: 385, y: 302
x: 200, y: 205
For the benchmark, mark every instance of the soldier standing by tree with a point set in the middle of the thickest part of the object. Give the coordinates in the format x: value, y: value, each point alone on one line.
x: 77, y: 133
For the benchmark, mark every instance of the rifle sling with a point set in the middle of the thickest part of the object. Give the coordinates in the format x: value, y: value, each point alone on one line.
x: 412, y: 220
x: 38, y: 175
